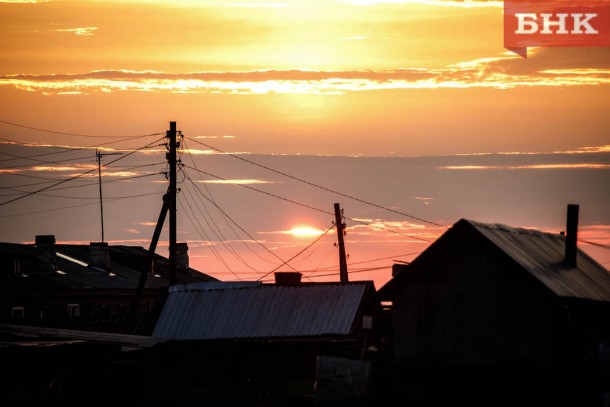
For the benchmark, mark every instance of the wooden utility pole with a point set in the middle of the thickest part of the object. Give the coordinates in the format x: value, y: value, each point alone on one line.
x: 171, y: 158
x: 169, y: 204
x: 340, y: 231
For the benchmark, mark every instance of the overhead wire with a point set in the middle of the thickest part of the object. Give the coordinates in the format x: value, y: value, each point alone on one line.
x: 600, y: 245
x: 111, y: 199
x: 73, y: 134
x: 44, y: 162
x: 209, y: 242
x: 321, y: 187
x: 74, y: 177
x: 17, y: 157
x: 299, y: 253
x: 216, y: 230
x: 309, y: 206
x: 199, y: 171
x: 227, y: 216
x: 228, y: 219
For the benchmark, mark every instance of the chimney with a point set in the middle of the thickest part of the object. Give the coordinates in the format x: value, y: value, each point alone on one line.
x: 287, y: 278
x: 571, y: 235
x: 45, y: 246
x: 182, y: 256
x: 99, y: 256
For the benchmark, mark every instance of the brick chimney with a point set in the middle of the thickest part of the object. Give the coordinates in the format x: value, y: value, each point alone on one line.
x: 99, y: 256
x: 45, y: 247
x: 287, y: 278
x: 182, y: 256
x: 571, y: 235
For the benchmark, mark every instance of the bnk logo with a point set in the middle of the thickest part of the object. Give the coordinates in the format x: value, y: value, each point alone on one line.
x: 559, y: 23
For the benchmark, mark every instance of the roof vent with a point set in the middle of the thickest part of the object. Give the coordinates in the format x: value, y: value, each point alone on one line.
x: 45, y: 246
x: 182, y: 256
x: 99, y: 256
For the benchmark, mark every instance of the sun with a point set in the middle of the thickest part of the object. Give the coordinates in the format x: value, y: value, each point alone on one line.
x: 305, y: 231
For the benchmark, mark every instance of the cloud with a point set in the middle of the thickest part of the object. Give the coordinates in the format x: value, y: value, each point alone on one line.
x: 63, y: 168
x: 424, y: 200
x: 236, y: 181
x: 442, y: 3
x: 547, y: 69
x: 354, y: 38
x: 570, y: 166
x: 267, y: 5
x: 78, y: 30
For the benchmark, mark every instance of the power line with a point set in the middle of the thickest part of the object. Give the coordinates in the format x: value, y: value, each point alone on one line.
x: 364, y: 270
x: 309, y: 206
x: 229, y: 220
x: 299, y: 253
x: 71, y: 134
x: 264, y: 192
x: 216, y: 230
x: 321, y: 187
x: 600, y: 245
x: 16, y: 157
x: 43, y: 162
x: 241, y: 228
x: 211, y: 246
x: 72, y: 178
x: 79, y: 205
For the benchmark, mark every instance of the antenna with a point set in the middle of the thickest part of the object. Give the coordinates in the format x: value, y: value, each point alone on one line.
x: 99, y: 174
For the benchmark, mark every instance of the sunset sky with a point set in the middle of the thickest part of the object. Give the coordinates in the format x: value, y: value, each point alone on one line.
x: 265, y: 80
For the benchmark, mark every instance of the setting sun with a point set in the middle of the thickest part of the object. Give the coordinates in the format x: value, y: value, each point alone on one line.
x: 305, y: 231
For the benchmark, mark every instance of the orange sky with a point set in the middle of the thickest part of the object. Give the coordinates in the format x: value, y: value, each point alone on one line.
x: 425, y: 77
x: 358, y: 78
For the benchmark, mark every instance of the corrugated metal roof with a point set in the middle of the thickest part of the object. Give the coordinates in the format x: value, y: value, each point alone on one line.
x: 542, y: 255
x: 231, y: 311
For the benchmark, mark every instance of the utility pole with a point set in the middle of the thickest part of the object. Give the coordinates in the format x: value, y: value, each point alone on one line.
x: 340, y: 231
x: 171, y: 158
x: 99, y: 176
x: 169, y: 204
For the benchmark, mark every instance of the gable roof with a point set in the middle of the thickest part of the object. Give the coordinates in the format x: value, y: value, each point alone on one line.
x: 255, y: 310
x: 541, y: 254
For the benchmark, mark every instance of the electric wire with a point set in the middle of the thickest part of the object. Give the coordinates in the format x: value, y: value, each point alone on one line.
x: 229, y: 221
x: 79, y: 205
x: 211, y: 200
x: 72, y: 178
x: 71, y: 134
x: 321, y: 187
x: 45, y: 162
x: 96, y: 183
x: 17, y: 157
x: 299, y: 253
x: 216, y: 230
x: 309, y: 206
x: 355, y: 271
x: 246, y: 232
x: 209, y: 244
x: 600, y: 245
